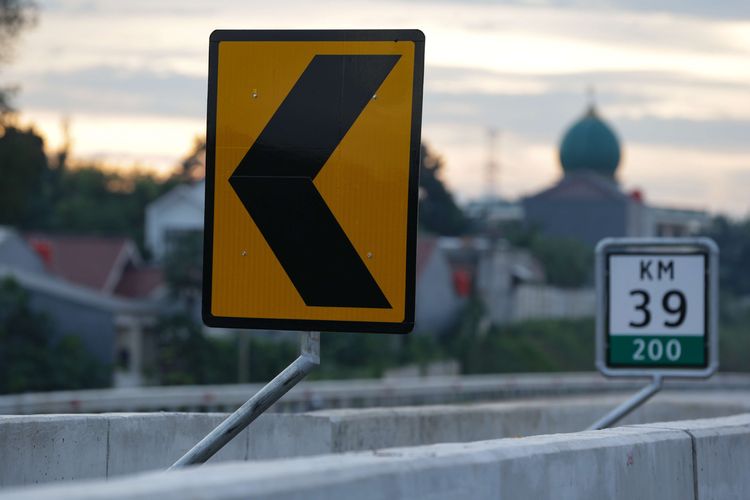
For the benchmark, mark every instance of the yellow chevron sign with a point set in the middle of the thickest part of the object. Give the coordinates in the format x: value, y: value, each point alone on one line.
x: 312, y: 179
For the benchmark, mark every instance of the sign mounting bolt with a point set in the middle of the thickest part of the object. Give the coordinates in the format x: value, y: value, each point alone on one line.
x: 255, y: 93
x: 243, y: 253
x: 369, y: 255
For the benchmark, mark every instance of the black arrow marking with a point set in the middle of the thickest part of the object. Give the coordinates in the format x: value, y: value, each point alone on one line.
x: 274, y: 180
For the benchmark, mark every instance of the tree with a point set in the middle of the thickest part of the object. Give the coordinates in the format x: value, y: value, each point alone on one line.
x: 193, y: 166
x: 567, y: 262
x: 438, y: 212
x: 183, y: 268
x: 84, y: 199
x: 15, y: 15
x: 90, y: 200
x: 23, y: 166
x: 30, y: 360
x: 22, y: 159
x: 733, y: 239
x: 184, y: 355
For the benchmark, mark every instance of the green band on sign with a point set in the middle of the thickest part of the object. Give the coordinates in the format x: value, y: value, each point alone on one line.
x: 656, y: 350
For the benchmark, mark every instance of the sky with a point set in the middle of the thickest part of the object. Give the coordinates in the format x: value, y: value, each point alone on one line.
x: 671, y: 77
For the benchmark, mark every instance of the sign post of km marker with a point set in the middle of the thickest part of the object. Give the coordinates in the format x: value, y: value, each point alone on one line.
x: 312, y: 165
x: 657, y: 310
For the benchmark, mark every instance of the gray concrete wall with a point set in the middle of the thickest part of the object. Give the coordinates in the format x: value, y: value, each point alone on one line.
x: 695, y: 460
x: 66, y: 447
x: 44, y: 448
x: 721, y: 449
x: 314, y: 395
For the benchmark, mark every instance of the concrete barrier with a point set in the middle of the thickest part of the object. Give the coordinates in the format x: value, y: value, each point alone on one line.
x: 672, y: 461
x: 43, y: 448
x: 346, y: 394
x: 67, y: 447
x: 721, y: 450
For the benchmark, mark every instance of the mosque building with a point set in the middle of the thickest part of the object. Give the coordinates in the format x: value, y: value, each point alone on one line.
x: 589, y: 204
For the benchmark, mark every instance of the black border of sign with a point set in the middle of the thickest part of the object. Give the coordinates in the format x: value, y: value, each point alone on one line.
x: 219, y: 36
x: 706, y: 302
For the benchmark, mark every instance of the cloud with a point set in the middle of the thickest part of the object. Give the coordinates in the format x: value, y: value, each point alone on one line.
x: 112, y: 90
x: 461, y: 81
x: 726, y: 9
x: 709, y: 135
x: 649, y: 107
x: 688, y: 177
x: 670, y: 76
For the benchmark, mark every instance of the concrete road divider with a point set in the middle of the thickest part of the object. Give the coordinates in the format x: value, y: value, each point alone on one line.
x: 722, y: 455
x: 35, y: 449
x: 694, y: 460
x: 324, y: 394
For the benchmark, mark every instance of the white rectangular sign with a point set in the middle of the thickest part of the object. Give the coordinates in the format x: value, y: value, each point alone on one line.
x: 657, y: 306
x: 657, y: 295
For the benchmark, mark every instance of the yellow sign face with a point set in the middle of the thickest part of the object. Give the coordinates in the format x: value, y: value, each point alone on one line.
x: 312, y: 179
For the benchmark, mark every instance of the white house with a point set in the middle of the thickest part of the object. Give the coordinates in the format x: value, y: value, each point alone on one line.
x: 177, y: 212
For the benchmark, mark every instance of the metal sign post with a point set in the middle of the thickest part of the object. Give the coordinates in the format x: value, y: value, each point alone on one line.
x: 628, y: 406
x: 657, y: 312
x: 312, y: 185
x: 308, y: 359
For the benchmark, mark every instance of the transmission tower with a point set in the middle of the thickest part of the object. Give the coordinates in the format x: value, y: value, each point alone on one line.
x: 492, y: 166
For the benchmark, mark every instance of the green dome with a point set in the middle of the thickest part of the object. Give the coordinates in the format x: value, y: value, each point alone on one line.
x: 590, y: 145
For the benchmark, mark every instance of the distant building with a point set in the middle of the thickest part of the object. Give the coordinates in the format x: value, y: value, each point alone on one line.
x: 442, y: 289
x: 501, y: 272
x: 176, y: 213
x: 93, y: 288
x: 15, y: 253
x: 110, y: 265
x: 588, y: 203
x: 509, y: 281
x: 494, y: 211
x: 112, y: 329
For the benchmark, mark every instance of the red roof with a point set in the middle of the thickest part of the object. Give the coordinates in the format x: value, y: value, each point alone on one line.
x: 95, y: 262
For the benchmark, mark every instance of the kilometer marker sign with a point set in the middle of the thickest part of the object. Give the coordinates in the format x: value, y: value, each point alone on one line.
x: 657, y: 309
